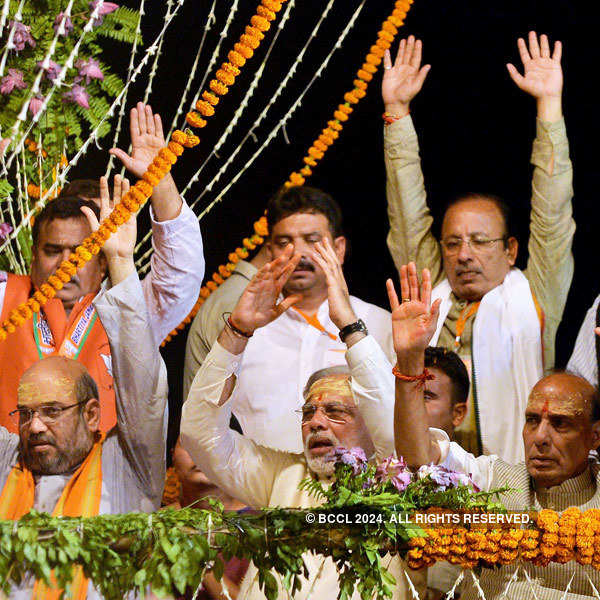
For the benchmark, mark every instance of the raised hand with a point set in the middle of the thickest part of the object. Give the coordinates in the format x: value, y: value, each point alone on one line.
x: 403, y: 80
x: 258, y: 306
x: 414, y: 319
x: 121, y: 244
x: 543, y: 76
x: 147, y: 138
x: 340, y: 309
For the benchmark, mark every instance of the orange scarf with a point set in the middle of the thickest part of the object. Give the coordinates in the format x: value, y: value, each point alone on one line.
x: 80, y: 498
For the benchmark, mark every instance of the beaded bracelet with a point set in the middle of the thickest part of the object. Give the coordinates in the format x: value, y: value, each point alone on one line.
x: 421, y: 379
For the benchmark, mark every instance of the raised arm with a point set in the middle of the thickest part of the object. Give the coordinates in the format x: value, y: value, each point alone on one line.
x: 550, y: 265
x: 241, y: 467
x: 413, y: 325
x: 410, y: 237
x: 177, y: 264
x: 138, y: 371
x: 372, y: 380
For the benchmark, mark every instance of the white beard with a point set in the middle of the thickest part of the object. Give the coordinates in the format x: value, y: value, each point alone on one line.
x: 320, y: 465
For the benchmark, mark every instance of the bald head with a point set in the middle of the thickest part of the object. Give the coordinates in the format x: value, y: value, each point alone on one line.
x: 53, y: 379
x: 561, y: 427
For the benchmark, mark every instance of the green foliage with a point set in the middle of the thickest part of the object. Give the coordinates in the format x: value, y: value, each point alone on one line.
x: 171, y: 550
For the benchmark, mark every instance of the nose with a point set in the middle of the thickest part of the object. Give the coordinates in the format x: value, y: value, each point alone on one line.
x: 464, y: 254
x: 36, y: 425
x: 542, y: 433
x: 319, y: 421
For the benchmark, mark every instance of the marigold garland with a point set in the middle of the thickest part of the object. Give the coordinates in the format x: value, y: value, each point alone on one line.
x: 326, y: 138
x: 557, y: 537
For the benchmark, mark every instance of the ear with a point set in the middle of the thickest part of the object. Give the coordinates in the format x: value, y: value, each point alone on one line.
x: 339, y: 245
x: 512, y: 248
x: 103, y: 265
x: 91, y: 414
x: 459, y: 412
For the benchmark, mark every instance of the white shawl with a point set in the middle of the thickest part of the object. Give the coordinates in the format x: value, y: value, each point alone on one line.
x: 507, y: 361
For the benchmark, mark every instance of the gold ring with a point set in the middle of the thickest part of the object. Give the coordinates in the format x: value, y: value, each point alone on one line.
x: 405, y: 299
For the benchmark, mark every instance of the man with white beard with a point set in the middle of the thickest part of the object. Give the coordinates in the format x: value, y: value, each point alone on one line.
x: 349, y: 406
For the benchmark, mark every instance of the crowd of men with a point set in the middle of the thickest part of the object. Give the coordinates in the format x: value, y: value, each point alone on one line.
x: 283, y: 365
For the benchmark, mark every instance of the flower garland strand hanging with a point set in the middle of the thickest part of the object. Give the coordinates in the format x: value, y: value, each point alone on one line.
x: 315, y: 153
x: 166, y: 158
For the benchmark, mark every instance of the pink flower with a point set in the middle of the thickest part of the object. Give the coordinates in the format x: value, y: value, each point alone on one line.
x: 21, y: 35
x: 395, y: 471
x: 5, y: 230
x: 13, y: 80
x: 78, y: 95
x: 68, y: 24
x: 105, y: 9
x: 35, y: 105
x: 89, y: 69
x: 53, y: 70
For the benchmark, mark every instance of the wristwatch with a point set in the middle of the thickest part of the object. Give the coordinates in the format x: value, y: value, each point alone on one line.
x: 353, y: 328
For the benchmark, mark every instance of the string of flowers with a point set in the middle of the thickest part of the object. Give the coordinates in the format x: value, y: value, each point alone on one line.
x: 160, y: 166
x: 556, y: 537
x: 316, y: 152
x: 213, y: 59
x: 210, y: 19
x: 144, y: 266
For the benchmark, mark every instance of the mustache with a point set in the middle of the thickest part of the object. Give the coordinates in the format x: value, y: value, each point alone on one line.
x: 40, y: 438
x: 320, y: 437
x: 461, y: 270
x: 305, y: 264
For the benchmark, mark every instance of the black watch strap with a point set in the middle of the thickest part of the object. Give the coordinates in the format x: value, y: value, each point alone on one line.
x: 353, y: 328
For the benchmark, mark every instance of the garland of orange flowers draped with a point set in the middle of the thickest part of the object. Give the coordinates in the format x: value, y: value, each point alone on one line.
x: 315, y: 153
x: 559, y: 537
x: 160, y: 166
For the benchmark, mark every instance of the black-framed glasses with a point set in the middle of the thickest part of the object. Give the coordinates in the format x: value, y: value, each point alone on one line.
x: 48, y: 414
x: 478, y: 244
x: 334, y: 411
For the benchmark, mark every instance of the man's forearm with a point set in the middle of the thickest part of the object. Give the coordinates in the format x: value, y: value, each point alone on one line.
x: 411, y: 430
x: 549, y: 109
x: 166, y: 201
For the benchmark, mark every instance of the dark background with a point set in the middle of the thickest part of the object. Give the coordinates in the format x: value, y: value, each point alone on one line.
x: 475, y: 127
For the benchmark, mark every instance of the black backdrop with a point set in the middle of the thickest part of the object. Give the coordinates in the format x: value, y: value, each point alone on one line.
x: 475, y: 126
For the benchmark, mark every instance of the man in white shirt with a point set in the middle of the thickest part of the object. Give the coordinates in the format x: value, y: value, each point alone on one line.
x: 562, y: 425
x: 585, y: 357
x: 304, y: 339
x: 338, y: 410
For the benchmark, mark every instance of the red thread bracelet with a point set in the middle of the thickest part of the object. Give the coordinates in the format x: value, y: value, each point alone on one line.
x: 236, y: 330
x: 421, y: 379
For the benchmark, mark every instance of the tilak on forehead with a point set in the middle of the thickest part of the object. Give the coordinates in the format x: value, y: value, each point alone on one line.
x: 338, y: 385
x: 61, y: 389
x: 565, y: 403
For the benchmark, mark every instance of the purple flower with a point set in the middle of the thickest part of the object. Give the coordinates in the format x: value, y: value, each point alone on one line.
x: 89, y: 69
x: 35, y: 104
x: 13, y: 80
x: 462, y: 479
x: 105, y: 9
x: 355, y: 458
x: 21, y: 35
x: 5, y: 230
x: 78, y: 95
x: 438, y: 474
x: 53, y: 70
x: 394, y: 470
x: 62, y: 19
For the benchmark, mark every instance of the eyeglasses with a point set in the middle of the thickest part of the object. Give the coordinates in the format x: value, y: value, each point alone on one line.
x: 333, y: 411
x: 48, y: 414
x: 478, y: 245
